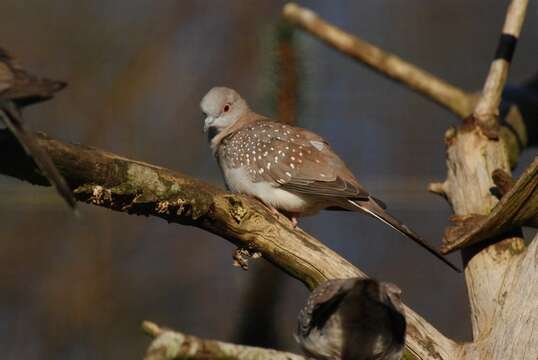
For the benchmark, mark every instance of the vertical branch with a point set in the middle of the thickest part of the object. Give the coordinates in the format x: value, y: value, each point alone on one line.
x: 473, y: 153
x: 487, y: 108
x: 287, y: 76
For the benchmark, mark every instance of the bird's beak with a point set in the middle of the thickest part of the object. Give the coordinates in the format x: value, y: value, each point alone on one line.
x: 207, y: 123
x: 209, y: 129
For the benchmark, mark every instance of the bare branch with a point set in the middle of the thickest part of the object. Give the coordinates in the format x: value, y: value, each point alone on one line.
x: 174, y: 345
x: 487, y: 108
x: 112, y: 181
x: 387, y: 64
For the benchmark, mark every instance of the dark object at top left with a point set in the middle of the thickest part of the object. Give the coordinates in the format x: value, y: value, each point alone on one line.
x: 18, y: 89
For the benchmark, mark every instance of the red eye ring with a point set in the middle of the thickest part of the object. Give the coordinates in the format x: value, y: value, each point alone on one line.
x: 226, y: 108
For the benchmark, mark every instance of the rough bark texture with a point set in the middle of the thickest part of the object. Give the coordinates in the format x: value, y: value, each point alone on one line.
x: 115, y: 182
x: 471, y: 159
x: 510, y: 324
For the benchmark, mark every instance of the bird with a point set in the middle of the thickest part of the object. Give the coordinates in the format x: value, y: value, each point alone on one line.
x: 19, y: 88
x: 359, y: 319
x: 291, y: 170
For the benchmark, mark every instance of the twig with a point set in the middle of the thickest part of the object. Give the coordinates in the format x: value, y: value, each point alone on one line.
x: 111, y: 181
x: 387, y: 64
x: 487, y: 108
x: 174, y: 345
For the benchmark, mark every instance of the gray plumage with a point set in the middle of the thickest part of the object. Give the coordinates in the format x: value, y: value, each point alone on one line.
x: 18, y: 89
x: 359, y: 319
x: 290, y: 169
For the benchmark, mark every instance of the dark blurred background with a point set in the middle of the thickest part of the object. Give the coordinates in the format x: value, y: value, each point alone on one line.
x: 79, y: 288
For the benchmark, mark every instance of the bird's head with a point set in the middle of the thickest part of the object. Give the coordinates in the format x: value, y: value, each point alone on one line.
x: 222, y: 107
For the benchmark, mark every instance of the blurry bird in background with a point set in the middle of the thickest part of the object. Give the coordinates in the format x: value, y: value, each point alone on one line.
x: 359, y: 319
x: 18, y: 89
x: 525, y: 98
x: 290, y: 169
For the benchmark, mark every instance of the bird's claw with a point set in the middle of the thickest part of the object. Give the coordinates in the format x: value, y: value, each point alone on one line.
x: 294, y: 221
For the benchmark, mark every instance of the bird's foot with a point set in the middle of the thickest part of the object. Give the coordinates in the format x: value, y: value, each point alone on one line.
x: 294, y: 221
x: 277, y: 213
x: 274, y: 210
x: 291, y: 217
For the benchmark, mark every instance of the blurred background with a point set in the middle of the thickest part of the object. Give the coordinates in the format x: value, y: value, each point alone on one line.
x: 78, y: 288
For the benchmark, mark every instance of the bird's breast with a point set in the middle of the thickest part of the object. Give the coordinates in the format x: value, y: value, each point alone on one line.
x: 239, y: 181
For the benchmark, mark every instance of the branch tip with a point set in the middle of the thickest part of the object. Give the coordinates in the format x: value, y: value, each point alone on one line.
x: 151, y: 328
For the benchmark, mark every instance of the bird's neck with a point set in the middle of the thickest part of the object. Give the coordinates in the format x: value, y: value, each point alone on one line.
x: 243, y: 120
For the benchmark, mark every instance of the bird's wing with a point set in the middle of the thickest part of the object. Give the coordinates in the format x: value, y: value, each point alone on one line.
x: 22, y: 87
x: 299, y: 161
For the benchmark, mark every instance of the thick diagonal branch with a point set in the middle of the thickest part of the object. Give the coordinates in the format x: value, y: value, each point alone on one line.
x: 112, y: 181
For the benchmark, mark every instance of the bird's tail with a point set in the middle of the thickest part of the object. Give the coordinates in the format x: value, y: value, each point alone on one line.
x: 372, y: 208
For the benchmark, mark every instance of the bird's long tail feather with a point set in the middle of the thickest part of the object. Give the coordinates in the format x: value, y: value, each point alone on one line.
x: 40, y: 157
x: 371, y: 208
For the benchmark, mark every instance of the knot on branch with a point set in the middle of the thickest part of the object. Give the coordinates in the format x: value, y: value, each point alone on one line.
x: 237, y: 209
x: 489, y: 129
x: 177, y: 207
x: 242, y: 255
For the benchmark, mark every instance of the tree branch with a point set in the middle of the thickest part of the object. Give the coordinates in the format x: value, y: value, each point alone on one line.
x: 173, y: 345
x: 115, y: 182
x: 387, y: 64
x: 487, y: 108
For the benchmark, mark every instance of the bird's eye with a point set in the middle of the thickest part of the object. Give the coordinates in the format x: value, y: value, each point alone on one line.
x: 226, y: 108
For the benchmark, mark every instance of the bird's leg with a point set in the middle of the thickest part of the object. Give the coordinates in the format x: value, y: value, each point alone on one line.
x: 273, y: 210
x: 292, y: 217
x: 276, y: 212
